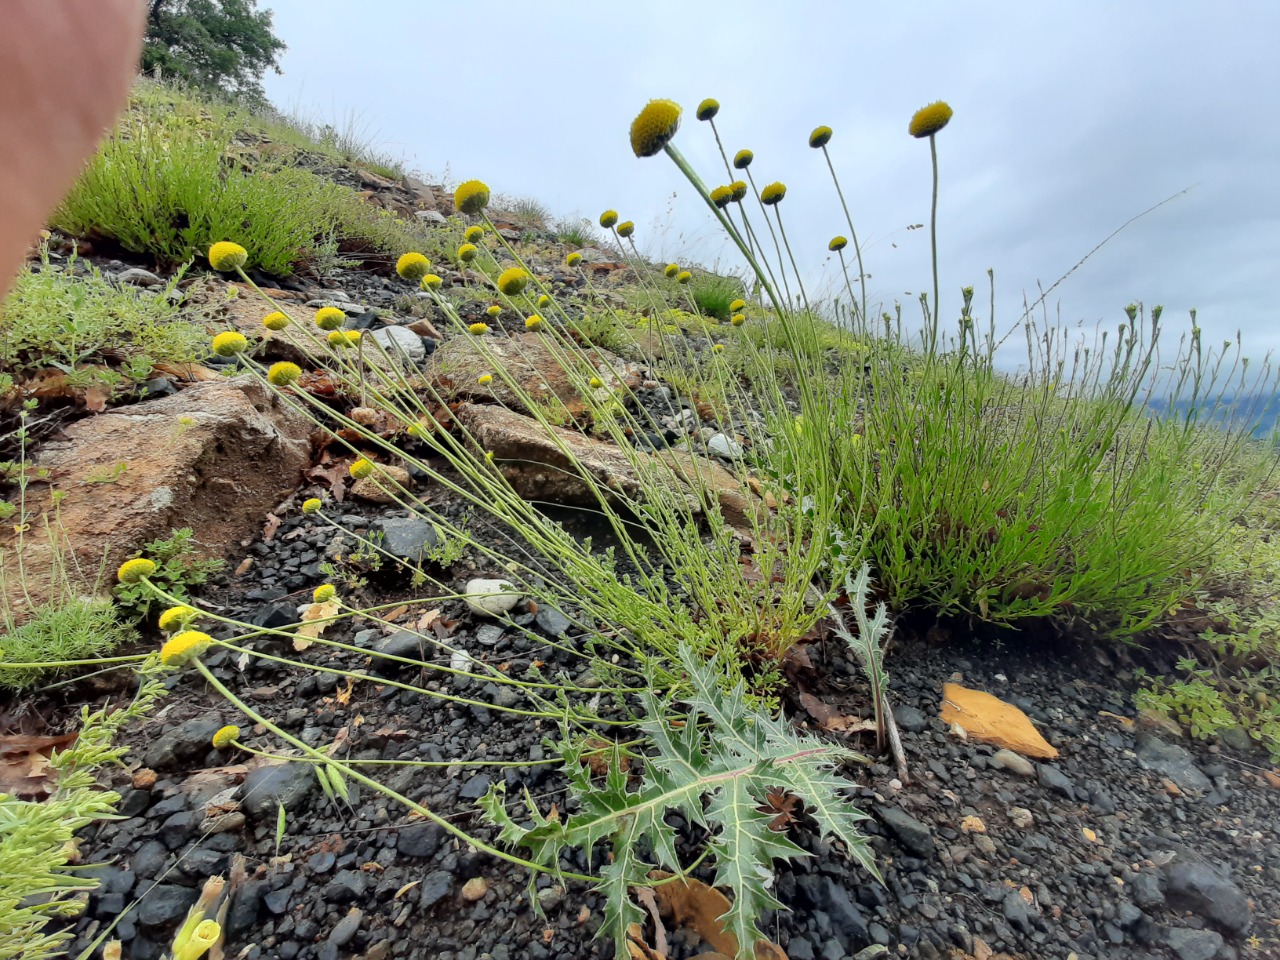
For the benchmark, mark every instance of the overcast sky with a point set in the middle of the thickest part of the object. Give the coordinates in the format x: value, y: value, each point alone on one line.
x: 1070, y: 118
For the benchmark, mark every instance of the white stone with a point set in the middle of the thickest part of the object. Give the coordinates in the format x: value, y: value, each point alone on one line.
x: 400, y: 342
x: 491, y: 598
x: 724, y: 446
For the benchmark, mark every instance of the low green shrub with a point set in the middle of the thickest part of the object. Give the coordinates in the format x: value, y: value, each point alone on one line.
x: 77, y: 628
x: 712, y: 294
x: 179, y: 569
x: 91, y: 328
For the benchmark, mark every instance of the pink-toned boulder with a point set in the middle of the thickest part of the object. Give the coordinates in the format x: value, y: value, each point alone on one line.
x: 216, y: 457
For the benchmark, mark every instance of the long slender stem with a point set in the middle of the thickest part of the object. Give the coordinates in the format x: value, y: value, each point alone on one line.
x: 853, y: 234
x: 933, y: 237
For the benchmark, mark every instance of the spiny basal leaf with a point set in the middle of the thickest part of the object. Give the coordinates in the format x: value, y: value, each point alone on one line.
x: 715, y: 765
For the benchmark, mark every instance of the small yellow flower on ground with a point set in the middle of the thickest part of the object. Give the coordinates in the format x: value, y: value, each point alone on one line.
x: 413, y: 266
x: 596, y: 383
x: 312, y: 505
x: 330, y: 318
x: 479, y: 328
x: 131, y: 571
x: 512, y: 281
x: 344, y: 338
x: 474, y: 233
x: 175, y: 617
x: 226, y: 736
x: 485, y: 379
x: 654, y: 126
x: 533, y: 323
x: 573, y: 259
x: 494, y: 311
x: 226, y: 256
x: 284, y: 373
x: 929, y: 120
x: 360, y: 469
x: 181, y: 647
x: 544, y: 300
x: 738, y: 319
x: 324, y: 593
x: 229, y: 343
x: 432, y: 282
x: 275, y: 321
x: 718, y: 348
x: 471, y: 197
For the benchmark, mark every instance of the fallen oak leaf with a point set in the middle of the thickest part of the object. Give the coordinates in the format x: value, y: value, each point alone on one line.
x: 314, y: 620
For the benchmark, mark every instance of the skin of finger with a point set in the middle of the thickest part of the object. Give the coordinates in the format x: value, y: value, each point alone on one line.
x: 65, y: 71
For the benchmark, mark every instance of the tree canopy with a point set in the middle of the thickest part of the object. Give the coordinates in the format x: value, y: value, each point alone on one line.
x: 220, y: 45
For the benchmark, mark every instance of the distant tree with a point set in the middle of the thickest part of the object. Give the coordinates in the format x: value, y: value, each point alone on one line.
x: 223, y: 45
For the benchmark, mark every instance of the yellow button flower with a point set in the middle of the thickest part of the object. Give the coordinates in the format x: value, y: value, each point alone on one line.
x: 654, y: 126
x: 467, y: 252
x: 175, y: 617
x: 820, y: 137
x: 512, y: 281
x: 312, y: 505
x: 573, y: 259
x: 412, y: 266
x: 229, y: 343
x: 226, y: 736
x: 226, y: 256
x: 742, y: 159
x: 432, y: 282
x: 708, y: 108
x: 929, y: 120
x: 330, y: 318
x: 608, y: 218
x: 284, y: 373
x: 626, y: 229
x: 773, y: 193
x: 471, y: 197
x: 275, y: 321
x: 473, y: 233
x: 533, y: 323
x: 131, y: 571
x: 360, y: 469
x: 184, y: 646
x: 479, y: 329
x: 324, y: 593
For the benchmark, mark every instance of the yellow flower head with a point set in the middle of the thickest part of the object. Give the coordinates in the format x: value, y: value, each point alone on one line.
x: 929, y: 120
x: 474, y: 233
x: 467, y: 252
x: 533, y: 323
x: 226, y: 736
x: 837, y: 244
x: 417, y: 431
x: 131, y: 571
x: 275, y: 321
x: 412, y: 266
x: 718, y: 348
x: 626, y: 229
x: 284, y: 373
x: 573, y: 259
x: 485, y: 379
x: 654, y: 127
x: 330, y: 318
x: 820, y: 137
x: 608, y: 218
x: 201, y: 940
x: 479, y: 328
x: 596, y: 383
x: 671, y: 270
x: 225, y: 256
x: 738, y: 319
x: 512, y: 281
x: 360, y: 469
x: 494, y: 311
x: 773, y: 193
x: 176, y: 617
x: 742, y: 159
x: 708, y: 108
x: 471, y: 197
x: 324, y: 593
x: 229, y: 343
x: 431, y: 282
x: 684, y: 276
x: 739, y: 190
x: 737, y: 305
x: 312, y: 505
x: 183, y: 646
x: 544, y: 300
x: 344, y: 338
x: 722, y: 196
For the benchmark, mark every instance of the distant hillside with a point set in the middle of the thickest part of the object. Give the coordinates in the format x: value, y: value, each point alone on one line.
x: 1257, y: 412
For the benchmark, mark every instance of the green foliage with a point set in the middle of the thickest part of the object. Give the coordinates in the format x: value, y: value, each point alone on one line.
x: 712, y: 294
x: 37, y: 881
x: 222, y: 46
x: 179, y: 570
x: 92, y: 329
x: 577, y: 231
x: 1196, y: 704
x: 714, y: 768
x: 73, y: 629
x: 169, y: 184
